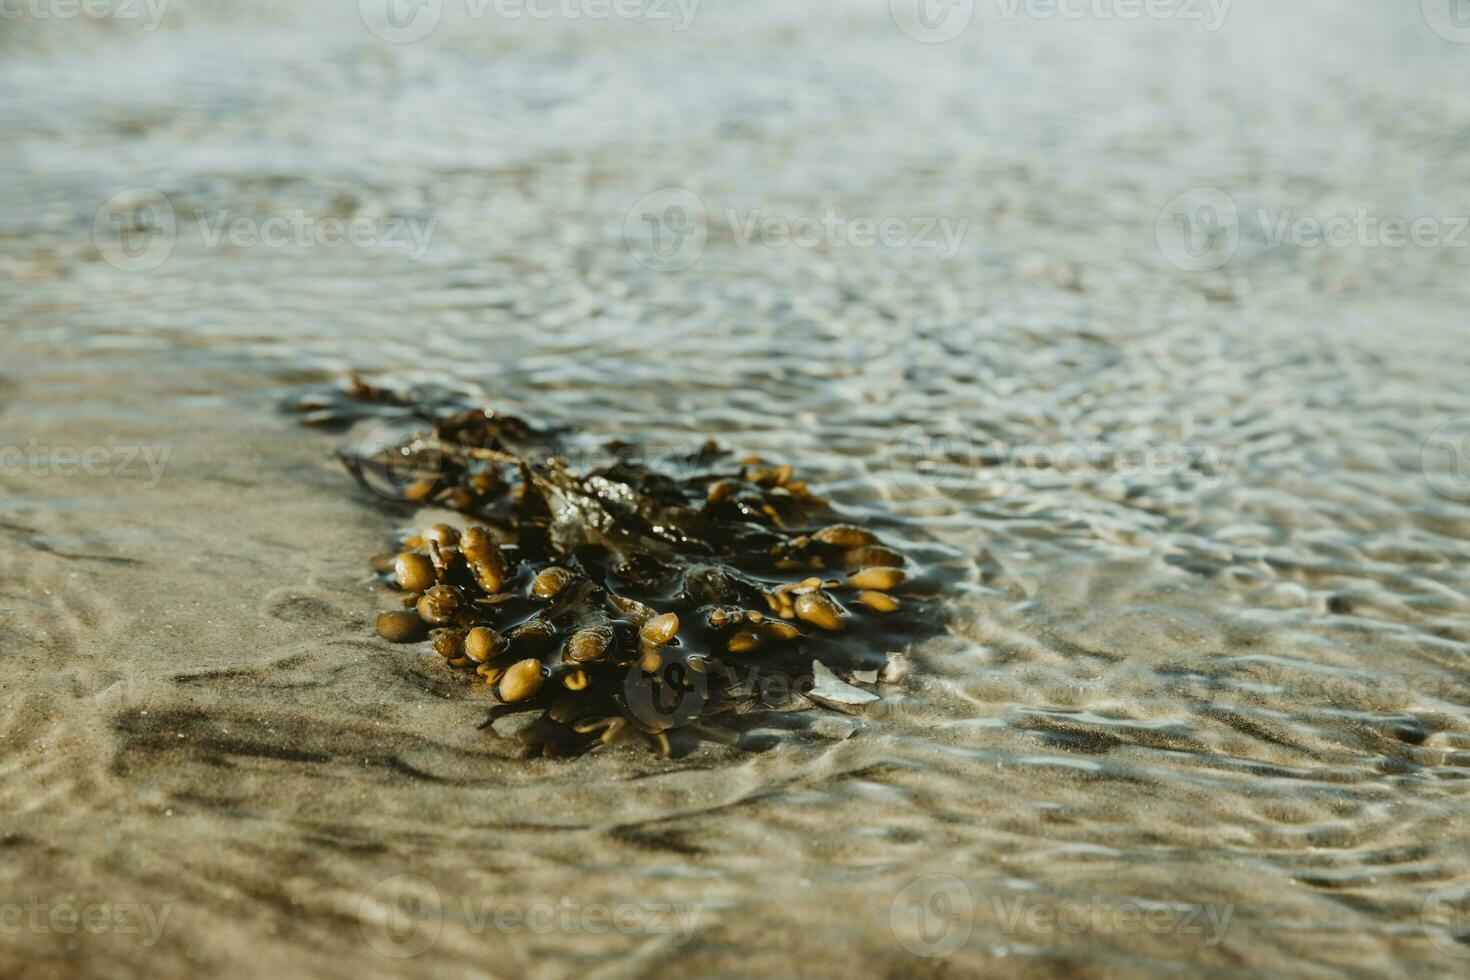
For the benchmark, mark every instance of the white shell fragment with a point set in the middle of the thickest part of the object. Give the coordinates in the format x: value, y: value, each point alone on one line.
x: 836, y: 693
x: 896, y: 667
x: 835, y: 727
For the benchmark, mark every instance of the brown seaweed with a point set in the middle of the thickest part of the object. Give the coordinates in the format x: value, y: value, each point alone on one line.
x: 628, y: 602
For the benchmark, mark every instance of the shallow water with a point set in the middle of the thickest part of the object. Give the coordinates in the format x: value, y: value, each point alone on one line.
x: 1201, y: 702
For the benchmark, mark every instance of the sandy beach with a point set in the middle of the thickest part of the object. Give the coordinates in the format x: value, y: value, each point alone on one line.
x: 1101, y: 317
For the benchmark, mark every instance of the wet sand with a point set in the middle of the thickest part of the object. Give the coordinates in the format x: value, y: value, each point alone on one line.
x: 1204, y: 710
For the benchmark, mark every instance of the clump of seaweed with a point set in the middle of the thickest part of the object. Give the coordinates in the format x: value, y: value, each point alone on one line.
x: 626, y: 603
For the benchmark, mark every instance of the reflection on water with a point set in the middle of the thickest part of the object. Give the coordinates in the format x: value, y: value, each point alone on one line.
x: 1202, y: 698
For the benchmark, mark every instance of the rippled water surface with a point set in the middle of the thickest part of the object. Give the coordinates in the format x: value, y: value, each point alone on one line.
x: 1200, y: 698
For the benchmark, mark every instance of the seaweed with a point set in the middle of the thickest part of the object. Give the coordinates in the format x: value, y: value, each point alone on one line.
x: 634, y: 600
